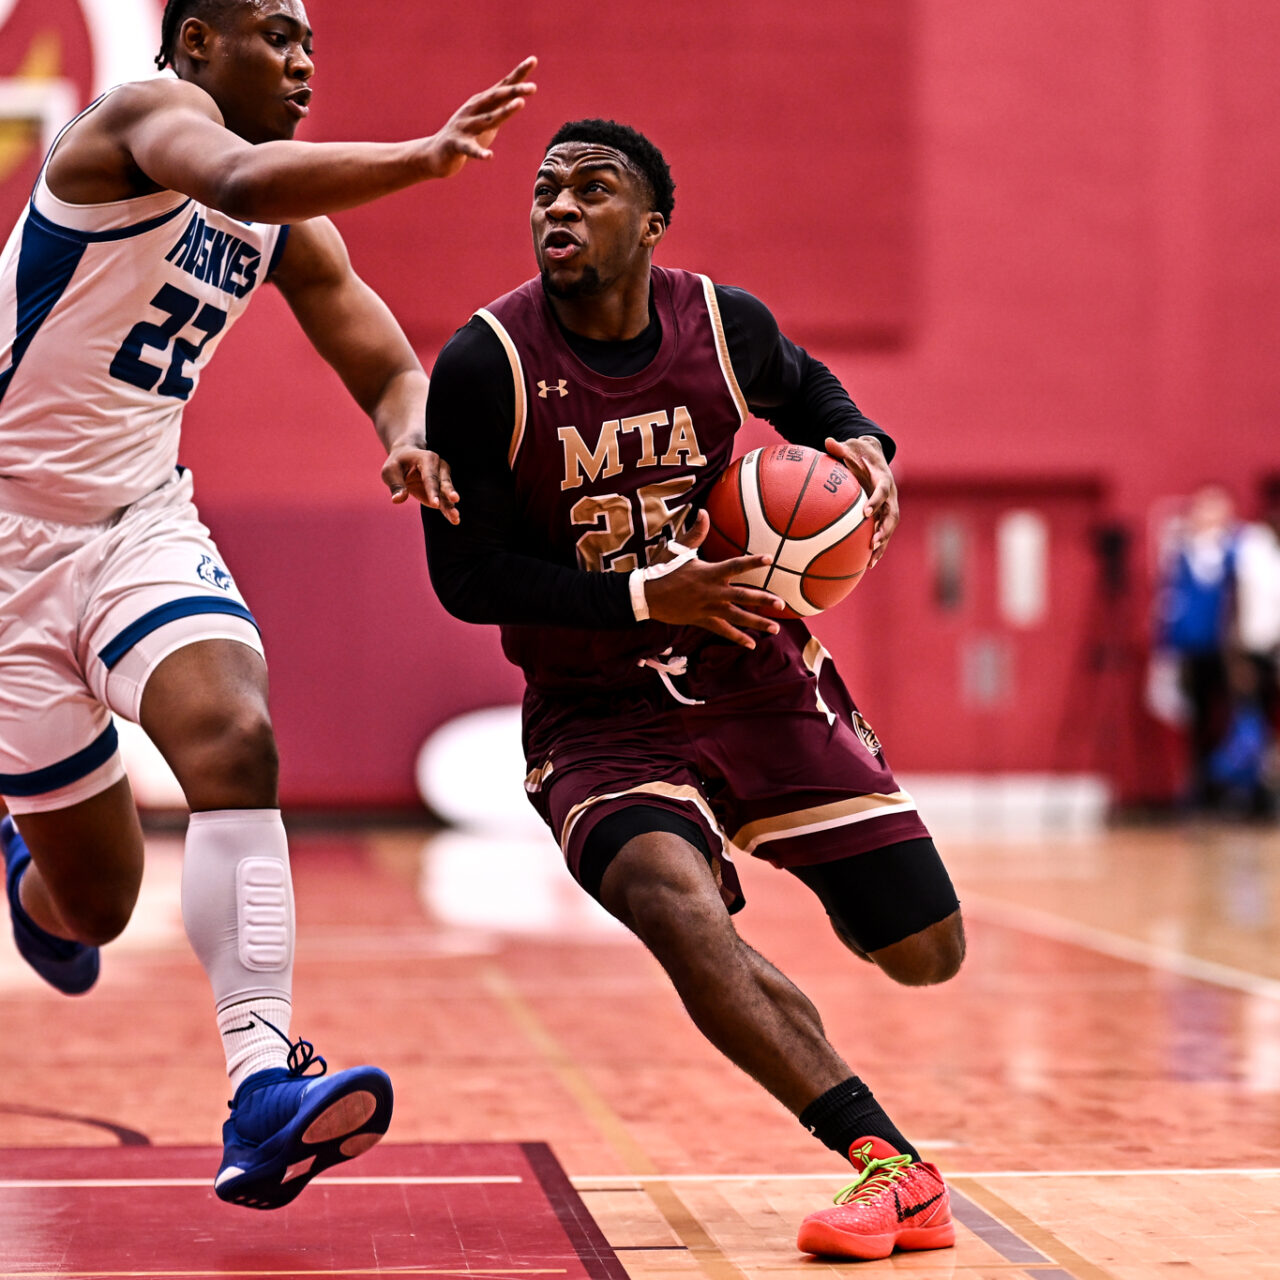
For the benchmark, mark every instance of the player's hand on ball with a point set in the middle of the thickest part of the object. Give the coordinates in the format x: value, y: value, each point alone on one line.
x: 411, y: 471
x: 704, y: 595
x: 470, y: 131
x: 865, y: 458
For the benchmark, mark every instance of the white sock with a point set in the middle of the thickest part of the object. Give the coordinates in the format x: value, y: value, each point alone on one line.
x: 237, y: 906
x: 255, y: 1036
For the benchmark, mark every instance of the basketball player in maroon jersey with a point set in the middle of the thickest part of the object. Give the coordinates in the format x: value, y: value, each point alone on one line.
x: 670, y: 716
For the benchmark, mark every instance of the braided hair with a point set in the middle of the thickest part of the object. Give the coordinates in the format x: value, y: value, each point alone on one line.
x: 176, y: 12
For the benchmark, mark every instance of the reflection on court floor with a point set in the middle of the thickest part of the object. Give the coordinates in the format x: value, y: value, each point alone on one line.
x: 1101, y: 1084
x: 485, y: 1209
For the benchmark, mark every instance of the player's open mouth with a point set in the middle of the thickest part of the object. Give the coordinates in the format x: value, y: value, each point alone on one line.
x: 560, y: 245
x: 298, y: 102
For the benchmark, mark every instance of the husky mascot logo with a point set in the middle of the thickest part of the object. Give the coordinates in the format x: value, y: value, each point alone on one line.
x: 214, y: 574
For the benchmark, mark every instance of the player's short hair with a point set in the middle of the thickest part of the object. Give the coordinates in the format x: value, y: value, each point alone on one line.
x: 176, y: 12
x: 635, y: 146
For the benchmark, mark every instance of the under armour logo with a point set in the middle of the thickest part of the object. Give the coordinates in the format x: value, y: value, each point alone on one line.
x: 560, y: 387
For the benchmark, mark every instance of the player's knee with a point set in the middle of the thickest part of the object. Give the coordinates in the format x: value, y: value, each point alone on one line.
x: 232, y: 760
x: 98, y: 918
x: 671, y: 910
x: 926, y: 958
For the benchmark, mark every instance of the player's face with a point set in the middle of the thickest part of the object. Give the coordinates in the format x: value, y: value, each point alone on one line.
x: 593, y: 222
x: 260, y: 67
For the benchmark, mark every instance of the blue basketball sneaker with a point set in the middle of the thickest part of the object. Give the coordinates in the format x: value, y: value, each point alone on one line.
x: 72, y: 967
x: 286, y: 1127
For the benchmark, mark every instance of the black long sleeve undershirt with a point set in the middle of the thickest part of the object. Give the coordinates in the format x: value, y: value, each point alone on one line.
x: 475, y: 571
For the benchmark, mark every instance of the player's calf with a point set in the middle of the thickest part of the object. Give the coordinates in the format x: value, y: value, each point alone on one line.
x: 68, y: 965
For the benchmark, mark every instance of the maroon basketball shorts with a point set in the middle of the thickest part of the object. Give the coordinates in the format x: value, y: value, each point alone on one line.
x: 764, y: 751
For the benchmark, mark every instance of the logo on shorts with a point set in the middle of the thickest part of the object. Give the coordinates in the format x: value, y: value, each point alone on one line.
x: 214, y: 574
x: 866, y: 733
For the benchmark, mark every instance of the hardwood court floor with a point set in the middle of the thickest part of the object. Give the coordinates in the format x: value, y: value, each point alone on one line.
x: 1101, y: 1084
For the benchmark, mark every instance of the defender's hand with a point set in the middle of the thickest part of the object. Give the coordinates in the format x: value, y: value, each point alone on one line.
x: 701, y: 594
x: 414, y: 472
x: 471, y: 129
x: 865, y: 458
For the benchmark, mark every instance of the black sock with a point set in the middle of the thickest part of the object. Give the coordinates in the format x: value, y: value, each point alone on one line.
x: 848, y: 1112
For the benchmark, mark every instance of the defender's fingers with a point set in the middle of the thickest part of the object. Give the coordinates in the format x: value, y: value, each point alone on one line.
x: 447, y: 489
x: 500, y: 95
x: 520, y: 72
x: 470, y: 148
x: 488, y: 115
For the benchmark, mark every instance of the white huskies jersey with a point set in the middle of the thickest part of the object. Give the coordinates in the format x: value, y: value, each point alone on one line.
x: 108, y: 313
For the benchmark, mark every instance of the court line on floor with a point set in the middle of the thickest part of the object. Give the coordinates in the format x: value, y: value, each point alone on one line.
x: 611, y: 1181
x: 977, y: 1203
x: 704, y: 1250
x: 406, y: 1180
x: 292, y: 1274
x: 636, y: 1181
x: 1118, y: 946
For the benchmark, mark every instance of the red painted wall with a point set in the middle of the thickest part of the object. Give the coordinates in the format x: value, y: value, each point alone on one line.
x: 1036, y: 240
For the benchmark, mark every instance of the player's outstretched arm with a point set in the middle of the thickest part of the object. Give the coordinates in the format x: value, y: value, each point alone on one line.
x: 174, y: 133
x: 354, y: 330
x: 702, y: 594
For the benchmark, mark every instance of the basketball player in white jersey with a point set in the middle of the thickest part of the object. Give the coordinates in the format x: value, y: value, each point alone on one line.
x: 160, y: 211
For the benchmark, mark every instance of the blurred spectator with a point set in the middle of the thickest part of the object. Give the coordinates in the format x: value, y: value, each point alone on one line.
x: 1194, y: 623
x: 1254, y: 673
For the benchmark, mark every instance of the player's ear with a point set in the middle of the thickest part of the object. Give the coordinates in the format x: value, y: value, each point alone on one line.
x: 194, y: 39
x: 655, y: 228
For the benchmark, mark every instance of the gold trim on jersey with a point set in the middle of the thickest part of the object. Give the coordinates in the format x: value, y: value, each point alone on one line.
x: 668, y: 790
x: 517, y: 378
x: 536, y: 777
x: 722, y: 348
x: 814, y: 656
x: 823, y: 817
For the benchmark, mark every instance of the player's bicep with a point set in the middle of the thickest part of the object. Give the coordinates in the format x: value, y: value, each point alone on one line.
x: 175, y: 135
x: 765, y: 362
x: 344, y: 319
x: 471, y: 405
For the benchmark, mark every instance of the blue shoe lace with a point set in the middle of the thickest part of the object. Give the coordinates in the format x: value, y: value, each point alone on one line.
x: 302, y: 1056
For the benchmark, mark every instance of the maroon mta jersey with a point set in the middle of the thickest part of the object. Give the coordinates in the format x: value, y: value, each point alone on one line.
x: 607, y: 470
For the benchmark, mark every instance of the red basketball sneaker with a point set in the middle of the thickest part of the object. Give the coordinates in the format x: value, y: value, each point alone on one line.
x: 896, y: 1203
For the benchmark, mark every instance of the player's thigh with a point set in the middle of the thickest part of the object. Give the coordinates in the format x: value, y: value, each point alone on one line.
x: 169, y: 642
x: 895, y: 905
x: 801, y: 778
x: 600, y: 778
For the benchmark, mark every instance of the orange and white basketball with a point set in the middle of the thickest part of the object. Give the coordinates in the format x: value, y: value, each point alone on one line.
x: 803, y: 508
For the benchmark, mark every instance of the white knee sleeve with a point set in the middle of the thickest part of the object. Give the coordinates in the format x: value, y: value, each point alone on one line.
x: 237, y: 903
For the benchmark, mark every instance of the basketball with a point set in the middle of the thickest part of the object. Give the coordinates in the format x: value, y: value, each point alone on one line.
x: 803, y: 508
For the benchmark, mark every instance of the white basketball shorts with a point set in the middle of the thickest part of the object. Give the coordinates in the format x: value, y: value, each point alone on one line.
x: 87, y: 612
